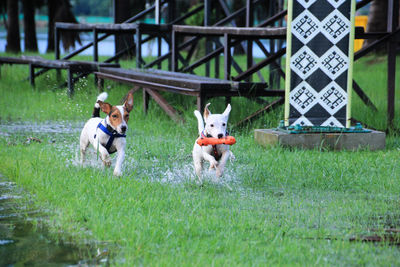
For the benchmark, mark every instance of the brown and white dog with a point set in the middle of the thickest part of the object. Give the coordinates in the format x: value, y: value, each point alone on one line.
x: 107, y: 135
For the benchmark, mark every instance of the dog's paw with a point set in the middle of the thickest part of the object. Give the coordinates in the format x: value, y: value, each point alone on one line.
x: 232, y: 157
x: 117, y: 173
x: 107, y: 162
x: 213, y: 164
x: 218, y: 173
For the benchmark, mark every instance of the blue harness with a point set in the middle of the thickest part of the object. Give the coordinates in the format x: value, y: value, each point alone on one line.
x: 112, y: 135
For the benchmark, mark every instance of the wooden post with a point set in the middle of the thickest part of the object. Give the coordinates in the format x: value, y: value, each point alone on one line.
x: 95, y: 51
x: 159, y: 40
x: 249, y: 23
x: 207, y: 14
x: 164, y: 105
x: 56, y: 50
x: 57, y: 42
x: 280, y: 45
x: 201, y: 99
x: 216, y: 62
x: 100, y: 84
x: 138, y: 48
x: 171, y: 11
x: 272, y: 43
x: 159, y: 44
x: 392, y: 22
x: 32, y: 74
x: 146, y: 98
x: 174, y: 56
x: 227, y: 56
x: 95, y: 46
x: 171, y: 17
x: 228, y: 60
x: 70, y: 82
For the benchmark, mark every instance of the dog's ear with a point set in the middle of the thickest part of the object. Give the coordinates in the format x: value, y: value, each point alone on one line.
x: 227, y: 110
x: 129, y: 102
x: 206, y: 111
x: 105, y: 107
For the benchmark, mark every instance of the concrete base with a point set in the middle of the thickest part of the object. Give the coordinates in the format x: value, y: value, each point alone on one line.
x: 374, y: 140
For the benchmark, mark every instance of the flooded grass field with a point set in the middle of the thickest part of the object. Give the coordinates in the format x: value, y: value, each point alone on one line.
x: 24, y: 235
x: 26, y: 241
x: 257, y: 198
x: 274, y: 206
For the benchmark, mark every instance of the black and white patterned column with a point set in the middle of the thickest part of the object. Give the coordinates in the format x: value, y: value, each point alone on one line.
x: 319, y: 62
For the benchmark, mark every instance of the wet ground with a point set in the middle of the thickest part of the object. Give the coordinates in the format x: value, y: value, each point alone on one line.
x: 25, y: 241
x: 24, y: 238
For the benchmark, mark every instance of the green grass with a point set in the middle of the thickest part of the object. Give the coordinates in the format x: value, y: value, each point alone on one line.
x: 286, y: 207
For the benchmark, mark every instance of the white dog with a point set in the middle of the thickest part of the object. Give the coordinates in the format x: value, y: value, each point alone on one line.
x: 107, y: 135
x: 217, y: 155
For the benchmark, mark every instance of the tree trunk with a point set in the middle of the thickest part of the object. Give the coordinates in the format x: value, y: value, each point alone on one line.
x: 64, y: 14
x: 29, y: 26
x: 122, y: 12
x: 377, y: 19
x: 13, y: 37
x: 51, y: 9
x: 240, y: 22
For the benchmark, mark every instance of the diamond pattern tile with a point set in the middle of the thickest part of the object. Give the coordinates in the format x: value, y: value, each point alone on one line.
x: 304, y: 62
x: 332, y: 98
x: 303, y: 97
x: 306, y: 3
x: 332, y: 122
x: 303, y: 121
x: 336, y: 3
x: 335, y: 26
x: 334, y: 62
x: 305, y: 26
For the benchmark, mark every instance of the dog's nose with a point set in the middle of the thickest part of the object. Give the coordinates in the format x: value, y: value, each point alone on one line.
x: 123, y: 128
x: 220, y: 135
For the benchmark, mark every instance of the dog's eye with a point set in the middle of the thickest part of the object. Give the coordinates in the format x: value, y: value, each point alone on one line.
x: 114, y: 116
x: 223, y: 124
x: 212, y: 125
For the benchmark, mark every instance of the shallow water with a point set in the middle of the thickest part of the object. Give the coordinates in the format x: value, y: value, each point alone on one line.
x: 64, y: 138
x: 24, y: 240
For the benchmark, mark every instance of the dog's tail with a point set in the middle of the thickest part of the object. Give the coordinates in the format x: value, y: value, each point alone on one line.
x: 200, y: 122
x: 96, y: 110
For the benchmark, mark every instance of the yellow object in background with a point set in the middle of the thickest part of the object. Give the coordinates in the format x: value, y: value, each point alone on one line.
x: 360, y: 21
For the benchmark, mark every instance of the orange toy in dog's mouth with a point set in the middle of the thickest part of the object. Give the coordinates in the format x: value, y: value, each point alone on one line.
x: 205, y: 141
